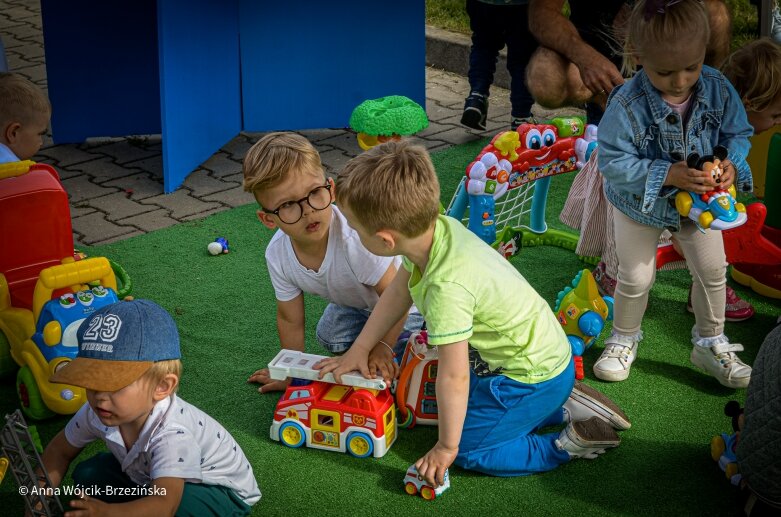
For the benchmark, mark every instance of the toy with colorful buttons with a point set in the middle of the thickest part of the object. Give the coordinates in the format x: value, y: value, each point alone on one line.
x: 416, y: 397
x: 582, y: 312
x: 515, y: 158
x: 43, y: 340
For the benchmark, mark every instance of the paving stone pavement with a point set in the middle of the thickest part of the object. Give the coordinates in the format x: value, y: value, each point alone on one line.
x: 115, y: 185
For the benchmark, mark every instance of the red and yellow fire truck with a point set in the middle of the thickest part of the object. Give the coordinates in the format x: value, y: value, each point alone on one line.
x: 351, y: 417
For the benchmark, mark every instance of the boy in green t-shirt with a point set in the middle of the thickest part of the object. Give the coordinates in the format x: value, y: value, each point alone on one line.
x: 505, y: 366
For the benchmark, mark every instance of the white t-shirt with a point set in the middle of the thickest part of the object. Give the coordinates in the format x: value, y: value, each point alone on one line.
x: 178, y: 440
x: 346, y: 277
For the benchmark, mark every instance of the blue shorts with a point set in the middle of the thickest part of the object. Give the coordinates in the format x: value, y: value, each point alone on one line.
x: 502, y: 417
x: 340, y: 325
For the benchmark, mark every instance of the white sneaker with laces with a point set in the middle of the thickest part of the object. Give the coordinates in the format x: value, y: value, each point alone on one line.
x: 587, y: 439
x: 585, y: 402
x: 617, y: 357
x: 716, y: 355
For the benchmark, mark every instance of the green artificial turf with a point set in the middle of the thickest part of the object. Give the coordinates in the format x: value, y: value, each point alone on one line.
x: 225, y: 310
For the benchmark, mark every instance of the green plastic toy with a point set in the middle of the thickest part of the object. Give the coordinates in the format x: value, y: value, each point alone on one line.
x: 387, y: 118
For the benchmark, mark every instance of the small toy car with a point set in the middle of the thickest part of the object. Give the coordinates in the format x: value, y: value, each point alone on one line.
x: 414, y: 483
x: 717, y: 209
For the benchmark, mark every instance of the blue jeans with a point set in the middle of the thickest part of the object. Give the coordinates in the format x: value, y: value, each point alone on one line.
x: 493, y: 26
x: 501, y: 419
x: 339, y: 326
x: 103, y: 470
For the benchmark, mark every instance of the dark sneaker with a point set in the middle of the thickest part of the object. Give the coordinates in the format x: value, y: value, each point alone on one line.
x: 475, y: 111
x: 736, y: 309
x: 516, y: 122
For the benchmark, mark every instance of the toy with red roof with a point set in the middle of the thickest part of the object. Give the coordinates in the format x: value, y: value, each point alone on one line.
x: 357, y: 416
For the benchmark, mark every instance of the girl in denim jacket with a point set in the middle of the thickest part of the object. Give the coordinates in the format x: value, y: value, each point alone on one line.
x: 671, y: 108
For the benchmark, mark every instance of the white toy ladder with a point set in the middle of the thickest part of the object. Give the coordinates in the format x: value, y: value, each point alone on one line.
x: 292, y: 363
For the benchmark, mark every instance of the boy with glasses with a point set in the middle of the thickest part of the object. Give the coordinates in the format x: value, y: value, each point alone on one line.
x: 315, y: 251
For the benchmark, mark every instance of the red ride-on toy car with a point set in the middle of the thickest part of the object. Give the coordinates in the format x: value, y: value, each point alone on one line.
x: 36, y: 237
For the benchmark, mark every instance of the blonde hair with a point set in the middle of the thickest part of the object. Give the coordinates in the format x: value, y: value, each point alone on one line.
x: 276, y: 155
x: 755, y: 72
x: 21, y: 99
x: 160, y: 369
x: 656, y: 24
x: 391, y: 186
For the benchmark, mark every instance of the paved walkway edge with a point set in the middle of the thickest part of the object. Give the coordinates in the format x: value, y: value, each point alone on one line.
x: 449, y: 51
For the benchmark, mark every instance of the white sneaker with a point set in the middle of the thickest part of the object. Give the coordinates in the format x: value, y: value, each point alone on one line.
x: 587, y: 439
x: 585, y: 402
x: 717, y: 357
x: 617, y: 357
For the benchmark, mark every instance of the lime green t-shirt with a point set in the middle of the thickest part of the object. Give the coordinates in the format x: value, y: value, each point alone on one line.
x: 470, y: 292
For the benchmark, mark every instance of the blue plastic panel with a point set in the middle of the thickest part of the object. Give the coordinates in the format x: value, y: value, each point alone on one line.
x: 102, y: 70
x: 200, y: 88
x: 308, y: 64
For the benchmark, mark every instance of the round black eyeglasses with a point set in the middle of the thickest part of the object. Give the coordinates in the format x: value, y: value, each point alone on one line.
x: 290, y: 212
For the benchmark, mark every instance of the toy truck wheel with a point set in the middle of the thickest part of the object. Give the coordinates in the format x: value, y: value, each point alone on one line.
x: 410, y: 488
x: 292, y: 435
x: 717, y: 447
x: 30, y: 396
x: 428, y: 493
x: 683, y: 203
x: 706, y: 218
x: 360, y: 445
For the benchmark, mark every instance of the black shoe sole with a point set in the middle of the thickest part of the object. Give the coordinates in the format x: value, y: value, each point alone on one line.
x: 473, y: 118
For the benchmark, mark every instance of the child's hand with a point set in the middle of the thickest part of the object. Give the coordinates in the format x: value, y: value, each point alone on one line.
x: 88, y: 507
x: 268, y: 384
x: 381, y: 362
x: 433, y: 465
x: 691, y: 180
x: 727, y: 175
x: 353, y: 359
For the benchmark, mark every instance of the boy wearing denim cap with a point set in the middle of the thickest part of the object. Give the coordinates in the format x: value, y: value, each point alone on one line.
x: 167, y: 457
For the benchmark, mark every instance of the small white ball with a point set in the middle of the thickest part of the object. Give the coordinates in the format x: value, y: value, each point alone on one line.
x: 215, y: 248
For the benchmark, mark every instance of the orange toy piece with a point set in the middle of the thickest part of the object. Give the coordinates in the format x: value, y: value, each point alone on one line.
x: 416, y: 395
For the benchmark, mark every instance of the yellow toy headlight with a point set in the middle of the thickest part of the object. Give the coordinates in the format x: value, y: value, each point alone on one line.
x: 52, y: 333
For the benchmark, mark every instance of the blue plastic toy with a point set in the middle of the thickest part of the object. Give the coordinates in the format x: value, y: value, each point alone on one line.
x: 219, y: 246
x: 717, y: 209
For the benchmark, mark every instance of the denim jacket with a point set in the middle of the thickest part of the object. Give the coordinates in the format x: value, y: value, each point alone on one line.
x: 640, y: 137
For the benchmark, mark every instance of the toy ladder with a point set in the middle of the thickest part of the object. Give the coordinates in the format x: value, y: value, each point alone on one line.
x: 291, y: 363
x: 25, y: 463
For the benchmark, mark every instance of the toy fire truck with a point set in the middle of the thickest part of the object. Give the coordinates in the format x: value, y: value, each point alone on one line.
x: 357, y: 416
